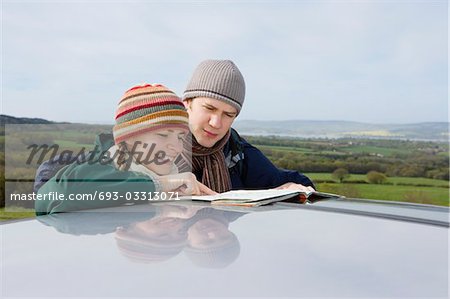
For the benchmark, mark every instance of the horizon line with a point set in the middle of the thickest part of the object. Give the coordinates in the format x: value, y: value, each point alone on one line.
x: 101, y: 122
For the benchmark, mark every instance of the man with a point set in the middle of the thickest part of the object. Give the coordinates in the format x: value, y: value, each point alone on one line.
x: 221, y: 159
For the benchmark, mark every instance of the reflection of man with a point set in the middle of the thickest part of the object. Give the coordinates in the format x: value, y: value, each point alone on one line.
x: 210, y: 243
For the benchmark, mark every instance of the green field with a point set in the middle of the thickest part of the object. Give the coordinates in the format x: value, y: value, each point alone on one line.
x: 393, y: 180
x: 15, y: 213
x: 374, y: 150
x: 417, y: 190
x: 340, y: 150
x: 64, y: 144
x: 285, y: 148
x: 425, y: 195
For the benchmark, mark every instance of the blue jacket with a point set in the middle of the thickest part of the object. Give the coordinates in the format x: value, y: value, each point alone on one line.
x: 250, y: 169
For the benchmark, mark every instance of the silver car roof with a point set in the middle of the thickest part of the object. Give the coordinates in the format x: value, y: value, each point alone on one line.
x: 333, y: 248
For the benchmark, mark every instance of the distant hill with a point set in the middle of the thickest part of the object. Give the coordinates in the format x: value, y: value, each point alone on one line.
x: 436, y: 131
x: 7, y: 119
x: 337, y: 129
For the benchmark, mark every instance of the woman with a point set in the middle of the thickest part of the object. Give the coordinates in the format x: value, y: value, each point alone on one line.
x: 135, y: 164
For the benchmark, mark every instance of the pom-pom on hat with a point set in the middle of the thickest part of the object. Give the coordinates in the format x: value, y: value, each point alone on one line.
x: 146, y: 108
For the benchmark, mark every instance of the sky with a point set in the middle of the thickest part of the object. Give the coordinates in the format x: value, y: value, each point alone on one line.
x: 366, y: 61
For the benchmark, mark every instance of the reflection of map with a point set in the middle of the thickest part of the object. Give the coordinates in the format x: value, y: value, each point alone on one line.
x: 257, y: 197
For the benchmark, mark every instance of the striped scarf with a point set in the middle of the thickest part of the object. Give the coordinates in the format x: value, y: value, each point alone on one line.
x: 209, y: 161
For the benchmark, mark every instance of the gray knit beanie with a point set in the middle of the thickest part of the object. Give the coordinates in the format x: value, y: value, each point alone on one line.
x: 217, y: 79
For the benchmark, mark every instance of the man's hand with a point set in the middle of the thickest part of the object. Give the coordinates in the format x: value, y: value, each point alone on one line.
x: 296, y: 187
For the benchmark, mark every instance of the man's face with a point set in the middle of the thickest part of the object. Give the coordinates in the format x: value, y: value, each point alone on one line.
x: 208, y: 233
x: 209, y: 119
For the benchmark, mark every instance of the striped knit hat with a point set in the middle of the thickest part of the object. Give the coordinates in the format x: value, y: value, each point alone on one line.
x: 148, y: 107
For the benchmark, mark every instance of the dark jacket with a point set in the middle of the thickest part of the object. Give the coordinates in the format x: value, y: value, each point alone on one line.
x: 250, y: 169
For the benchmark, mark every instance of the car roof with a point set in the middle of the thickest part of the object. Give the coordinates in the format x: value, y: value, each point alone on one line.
x: 332, y: 248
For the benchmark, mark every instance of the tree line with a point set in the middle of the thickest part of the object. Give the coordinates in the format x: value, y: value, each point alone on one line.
x: 401, y: 157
